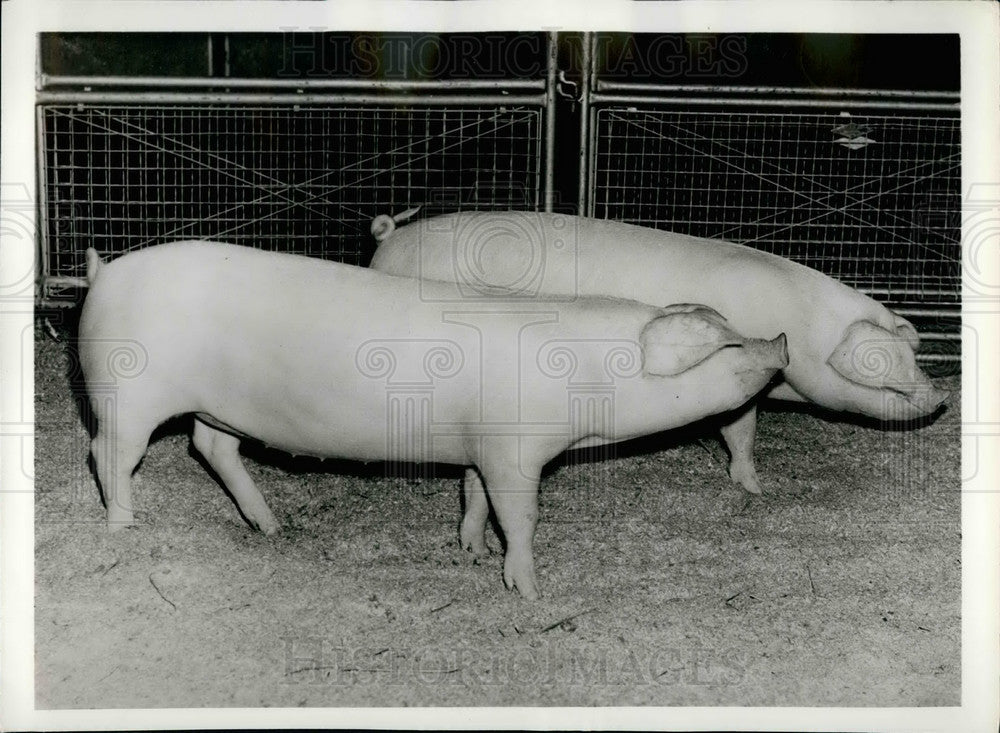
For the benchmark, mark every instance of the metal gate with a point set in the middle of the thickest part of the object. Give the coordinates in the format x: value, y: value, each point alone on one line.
x: 297, y: 166
x: 863, y: 185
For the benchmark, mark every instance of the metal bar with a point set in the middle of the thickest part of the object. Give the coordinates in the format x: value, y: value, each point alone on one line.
x: 158, y: 82
x: 620, y: 86
x: 593, y: 132
x: 586, y: 64
x: 41, y: 188
x: 940, y: 358
x: 38, y: 65
x: 52, y: 303
x: 592, y: 163
x: 65, y: 281
x: 719, y: 101
x: 927, y: 312
x: 222, y: 98
x: 550, y: 120
x: 923, y: 293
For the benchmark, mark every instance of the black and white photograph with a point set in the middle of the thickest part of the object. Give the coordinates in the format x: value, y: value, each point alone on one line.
x: 479, y: 365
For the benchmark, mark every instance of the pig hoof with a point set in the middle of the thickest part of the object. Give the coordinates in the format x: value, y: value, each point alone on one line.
x: 745, y: 476
x: 117, y: 525
x: 474, y: 540
x: 267, y: 525
x: 524, y: 582
x: 119, y: 517
x: 476, y: 545
x: 478, y: 552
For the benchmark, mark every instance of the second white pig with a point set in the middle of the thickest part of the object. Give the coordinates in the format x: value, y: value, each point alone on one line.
x: 847, y: 352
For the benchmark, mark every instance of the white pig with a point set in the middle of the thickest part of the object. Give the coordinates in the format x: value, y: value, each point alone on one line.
x: 332, y: 360
x: 846, y: 351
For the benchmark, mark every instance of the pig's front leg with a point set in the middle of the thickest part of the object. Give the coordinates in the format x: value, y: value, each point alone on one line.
x: 512, y: 484
x: 472, y: 531
x: 739, y: 437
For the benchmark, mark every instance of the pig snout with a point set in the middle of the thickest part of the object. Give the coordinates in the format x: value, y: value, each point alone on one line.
x: 913, y: 403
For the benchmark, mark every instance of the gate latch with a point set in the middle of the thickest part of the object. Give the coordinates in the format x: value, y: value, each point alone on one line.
x: 852, y: 135
x: 566, y: 88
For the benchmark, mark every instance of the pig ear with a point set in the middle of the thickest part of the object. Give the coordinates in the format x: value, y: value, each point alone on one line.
x: 874, y: 357
x: 674, y: 343
x: 905, y: 330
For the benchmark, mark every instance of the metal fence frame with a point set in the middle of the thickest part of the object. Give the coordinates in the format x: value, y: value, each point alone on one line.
x: 540, y: 94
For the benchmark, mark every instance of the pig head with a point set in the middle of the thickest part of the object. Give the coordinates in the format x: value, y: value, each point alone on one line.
x: 846, y: 351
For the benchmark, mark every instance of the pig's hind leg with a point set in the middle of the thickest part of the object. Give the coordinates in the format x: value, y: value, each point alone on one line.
x: 472, y: 531
x: 221, y: 450
x: 117, y: 450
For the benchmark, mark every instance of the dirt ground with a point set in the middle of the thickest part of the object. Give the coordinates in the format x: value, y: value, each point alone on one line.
x: 840, y: 586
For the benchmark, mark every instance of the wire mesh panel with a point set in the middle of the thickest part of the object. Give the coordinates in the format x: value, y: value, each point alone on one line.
x: 303, y: 179
x: 872, y: 200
